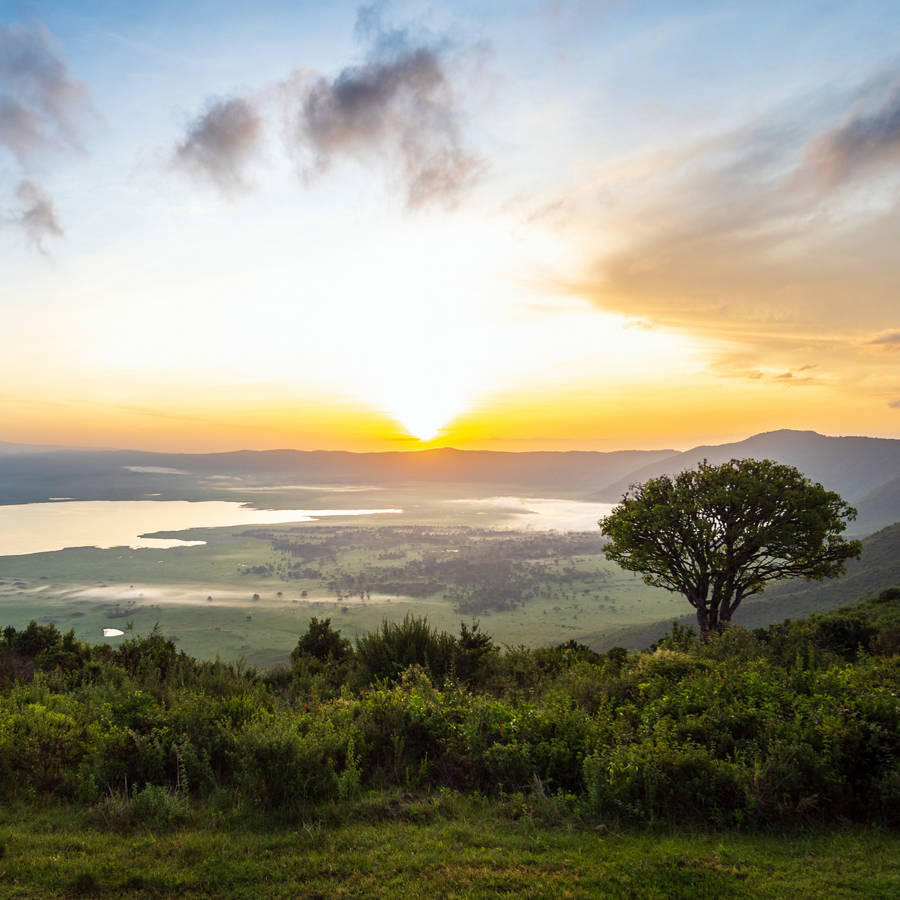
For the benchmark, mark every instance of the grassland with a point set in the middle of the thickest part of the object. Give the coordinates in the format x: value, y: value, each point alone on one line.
x: 446, y: 846
x: 556, y: 588
x: 544, y: 592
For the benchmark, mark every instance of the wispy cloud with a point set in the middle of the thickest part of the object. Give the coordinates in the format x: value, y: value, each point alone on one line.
x: 891, y: 340
x: 37, y: 216
x: 397, y: 112
x: 724, y: 234
x: 42, y: 109
x: 866, y: 140
x: 41, y: 105
x: 220, y: 142
x: 736, y: 240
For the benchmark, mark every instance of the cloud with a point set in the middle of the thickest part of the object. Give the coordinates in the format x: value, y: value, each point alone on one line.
x: 720, y: 238
x: 894, y: 404
x: 41, y: 110
x: 864, y: 142
x: 793, y: 378
x: 397, y: 110
x: 37, y: 216
x: 890, y: 340
x: 220, y: 142
x: 41, y: 106
x: 20, y: 129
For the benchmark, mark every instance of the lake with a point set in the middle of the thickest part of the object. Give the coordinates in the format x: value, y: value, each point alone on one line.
x: 538, y: 513
x: 43, y: 527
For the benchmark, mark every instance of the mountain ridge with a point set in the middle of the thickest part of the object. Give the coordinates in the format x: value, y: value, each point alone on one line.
x: 854, y: 466
x: 865, y: 471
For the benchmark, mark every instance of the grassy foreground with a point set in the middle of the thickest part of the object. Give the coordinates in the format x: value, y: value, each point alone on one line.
x: 444, y: 845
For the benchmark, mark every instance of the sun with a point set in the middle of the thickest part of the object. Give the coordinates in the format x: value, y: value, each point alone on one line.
x: 424, y: 427
x: 423, y: 402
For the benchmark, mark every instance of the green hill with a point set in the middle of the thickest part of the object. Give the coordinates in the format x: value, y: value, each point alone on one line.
x: 877, y: 568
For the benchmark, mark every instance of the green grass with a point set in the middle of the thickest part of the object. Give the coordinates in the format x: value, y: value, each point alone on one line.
x: 620, y: 610
x: 443, y: 846
x: 39, y: 587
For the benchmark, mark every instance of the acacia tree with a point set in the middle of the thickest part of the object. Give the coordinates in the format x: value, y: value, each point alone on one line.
x: 718, y: 534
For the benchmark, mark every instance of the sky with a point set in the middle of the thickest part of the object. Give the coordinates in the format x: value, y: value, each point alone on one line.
x: 542, y: 224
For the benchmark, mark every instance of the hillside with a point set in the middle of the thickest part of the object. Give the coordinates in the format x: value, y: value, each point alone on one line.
x: 877, y: 569
x: 863, y: 470
x: 852, y: 466
x: 879, y: 508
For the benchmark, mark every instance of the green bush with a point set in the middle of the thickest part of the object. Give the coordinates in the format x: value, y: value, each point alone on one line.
x: 149, y: 807
x: 283, y: 769
x: 40, y: 749
x: 782, y: 726
x: 398, y: 645
x: 653, y: 782
x: 321, y: 642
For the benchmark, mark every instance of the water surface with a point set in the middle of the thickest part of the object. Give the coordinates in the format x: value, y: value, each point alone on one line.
x: 43, y: 527
x: 539, y: 513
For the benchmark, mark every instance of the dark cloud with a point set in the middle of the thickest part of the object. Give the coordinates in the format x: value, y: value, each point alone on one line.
x: 220, y: 142
x: 37, y: 216
x: 397, y: 110
x: 894, y: 404
x: 863, y: 143
x: 40, y: 104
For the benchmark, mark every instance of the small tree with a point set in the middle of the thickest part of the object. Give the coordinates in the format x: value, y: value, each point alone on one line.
x: 718, y: 534
x: 322, y: 642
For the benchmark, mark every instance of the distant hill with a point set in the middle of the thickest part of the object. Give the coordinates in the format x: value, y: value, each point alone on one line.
x: 877, y: 568
x: 879, y: 508
x: 7, y: 447
x: 90, y: 475
x: 862, y: 470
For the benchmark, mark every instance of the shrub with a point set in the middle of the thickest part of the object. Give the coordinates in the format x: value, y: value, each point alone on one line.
x: 656, y: 781
x: 281, y: 769
x: 152, y: 806
x: 398, y: 645
x: 40, y: 749
x: 322, y: 642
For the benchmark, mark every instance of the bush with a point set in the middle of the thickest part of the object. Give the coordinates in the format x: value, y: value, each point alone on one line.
x: 282, y: 769
x: 653, y: 782
x: 398, y: 645
x: 150, y: 807
x: 771, y: 727
x: 40, y: 749
x: 321, y: 642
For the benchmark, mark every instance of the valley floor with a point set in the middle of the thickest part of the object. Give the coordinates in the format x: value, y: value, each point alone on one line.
x: 444, y: 845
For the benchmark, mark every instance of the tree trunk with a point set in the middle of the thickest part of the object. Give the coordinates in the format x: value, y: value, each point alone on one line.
x: 703, y: 623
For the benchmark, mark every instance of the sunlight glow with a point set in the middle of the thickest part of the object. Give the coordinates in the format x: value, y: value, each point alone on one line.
x: 423, y: 326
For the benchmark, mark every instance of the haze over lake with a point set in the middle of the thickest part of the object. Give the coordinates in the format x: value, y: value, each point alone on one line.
x: 43, y: 527
x: 540, y: 513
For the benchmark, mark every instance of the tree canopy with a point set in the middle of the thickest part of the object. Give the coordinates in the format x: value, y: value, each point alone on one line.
x: 718, y: 534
